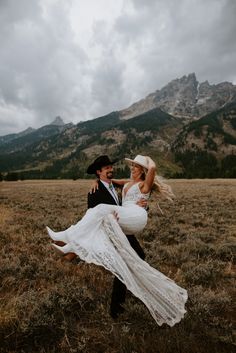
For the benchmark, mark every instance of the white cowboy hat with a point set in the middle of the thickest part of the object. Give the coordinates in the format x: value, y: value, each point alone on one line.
x: 140, y: 160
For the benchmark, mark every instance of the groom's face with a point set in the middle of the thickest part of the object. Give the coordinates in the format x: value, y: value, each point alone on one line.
x: 106, y: 173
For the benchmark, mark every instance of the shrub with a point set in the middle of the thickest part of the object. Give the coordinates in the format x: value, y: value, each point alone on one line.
x: 227, y: 251
x: 205, y: 274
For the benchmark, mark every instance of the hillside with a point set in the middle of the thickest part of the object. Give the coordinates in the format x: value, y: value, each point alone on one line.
x: 207, y: 147
x: 10, y: 137
x: 68, y: 153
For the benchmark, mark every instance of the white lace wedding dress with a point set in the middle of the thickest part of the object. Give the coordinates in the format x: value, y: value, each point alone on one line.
x: 98, y: 238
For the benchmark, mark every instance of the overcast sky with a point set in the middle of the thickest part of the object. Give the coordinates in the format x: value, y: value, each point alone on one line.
x: 81, y: 59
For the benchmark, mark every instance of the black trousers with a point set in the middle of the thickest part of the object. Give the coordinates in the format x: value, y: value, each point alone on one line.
x: 119, y: 289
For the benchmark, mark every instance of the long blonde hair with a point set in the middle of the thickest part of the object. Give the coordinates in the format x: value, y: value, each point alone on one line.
x: 161, y: 188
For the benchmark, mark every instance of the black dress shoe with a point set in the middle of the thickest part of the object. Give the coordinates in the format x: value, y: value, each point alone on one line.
x: 115, y: 312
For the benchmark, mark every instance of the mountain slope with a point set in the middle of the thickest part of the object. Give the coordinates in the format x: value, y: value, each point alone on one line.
x: 10, y: 137
x: 207, y: 147
x: 21, y: 142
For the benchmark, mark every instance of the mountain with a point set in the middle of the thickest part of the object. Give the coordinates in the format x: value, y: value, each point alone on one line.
x: 196, y: 140
x: 10, y: 137
x: 57, y: 121
x: 186, y: 98
x: 207, y: 147
x: 18, y: 142
x: 69, y: 152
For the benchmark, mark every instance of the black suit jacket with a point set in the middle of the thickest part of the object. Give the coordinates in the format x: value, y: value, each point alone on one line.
x: 102, y: 195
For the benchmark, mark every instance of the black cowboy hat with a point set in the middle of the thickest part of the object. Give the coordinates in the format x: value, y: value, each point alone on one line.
x: 100, y: 162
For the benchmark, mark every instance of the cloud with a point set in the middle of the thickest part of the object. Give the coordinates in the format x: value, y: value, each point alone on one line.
x: 81, y: 60
x: 174, y: 38
x: 41, y: 70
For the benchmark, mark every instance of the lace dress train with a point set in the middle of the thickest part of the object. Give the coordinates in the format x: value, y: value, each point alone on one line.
x: 98, y: 238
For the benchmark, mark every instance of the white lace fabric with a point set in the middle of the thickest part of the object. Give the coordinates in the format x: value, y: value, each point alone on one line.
x: 133, y: 194
x: 99, y: 239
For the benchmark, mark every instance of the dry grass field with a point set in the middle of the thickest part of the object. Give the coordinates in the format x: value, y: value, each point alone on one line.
x: 49, y: 305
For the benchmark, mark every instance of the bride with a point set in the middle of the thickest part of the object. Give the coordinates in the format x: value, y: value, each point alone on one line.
x: 99, y: 238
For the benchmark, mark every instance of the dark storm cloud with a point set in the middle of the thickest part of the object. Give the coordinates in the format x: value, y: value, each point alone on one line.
x: 178, y: 37
x: 39, y: 64
x: 47, y: 68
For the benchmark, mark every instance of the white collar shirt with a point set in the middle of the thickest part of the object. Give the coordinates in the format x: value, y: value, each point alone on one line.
x: 111, y: 190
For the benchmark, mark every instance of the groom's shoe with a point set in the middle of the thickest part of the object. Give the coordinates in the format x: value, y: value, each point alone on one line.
x: 115, y: 312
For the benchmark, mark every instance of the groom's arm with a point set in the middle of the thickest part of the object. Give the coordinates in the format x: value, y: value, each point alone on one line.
x: 93, y: 199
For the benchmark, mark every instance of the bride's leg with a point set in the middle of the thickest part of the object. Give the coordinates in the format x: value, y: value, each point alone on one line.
x: 57, y: 236
x: 104, y: 209
x: 92, y: 216
x: 59, y: 243
x: 69, y: 257
x: 63, y: 249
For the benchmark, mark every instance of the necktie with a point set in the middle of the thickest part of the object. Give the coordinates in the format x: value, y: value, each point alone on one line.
x: 111, y: 188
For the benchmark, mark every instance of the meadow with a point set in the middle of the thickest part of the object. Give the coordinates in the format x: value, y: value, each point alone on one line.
x: 49, y: 305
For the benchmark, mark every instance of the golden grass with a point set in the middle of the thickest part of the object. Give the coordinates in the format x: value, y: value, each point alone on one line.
x: 48, y: 305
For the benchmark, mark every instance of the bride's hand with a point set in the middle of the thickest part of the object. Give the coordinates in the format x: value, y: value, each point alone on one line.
x: 151, y: 163
x: 94, y: 187
x: 142, y: 203
x: 116, y: 216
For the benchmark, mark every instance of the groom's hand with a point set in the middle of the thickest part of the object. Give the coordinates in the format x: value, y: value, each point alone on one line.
x: 116, y: 216
x: 142, y: 203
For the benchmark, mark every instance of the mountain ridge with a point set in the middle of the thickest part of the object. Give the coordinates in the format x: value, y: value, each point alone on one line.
x: 209, y: 144
x: 185, y: 97
x: 64, y: 151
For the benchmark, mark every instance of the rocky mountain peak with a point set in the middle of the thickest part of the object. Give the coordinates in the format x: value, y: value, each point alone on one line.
x: 189, y: 79
x: 57, y: 121
x: 175, y: 88
x: 205, y: 84
x: 185, y: 97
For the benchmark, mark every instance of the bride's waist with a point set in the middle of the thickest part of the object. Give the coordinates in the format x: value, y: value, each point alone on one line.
x: 133, y: 205
x: 130, y: 203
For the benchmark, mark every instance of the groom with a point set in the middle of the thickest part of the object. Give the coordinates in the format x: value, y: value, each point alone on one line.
x: 102, y: 167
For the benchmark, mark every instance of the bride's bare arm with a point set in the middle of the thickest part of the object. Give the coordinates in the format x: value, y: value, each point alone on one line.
x: 149, y: 179
x: 94, y: 186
